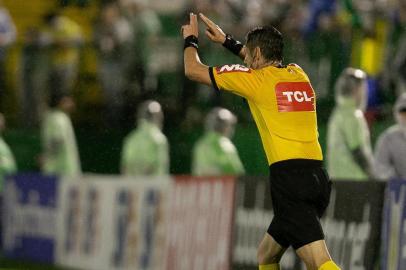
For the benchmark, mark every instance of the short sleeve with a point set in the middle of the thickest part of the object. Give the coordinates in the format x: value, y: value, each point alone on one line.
x: 237, y: 79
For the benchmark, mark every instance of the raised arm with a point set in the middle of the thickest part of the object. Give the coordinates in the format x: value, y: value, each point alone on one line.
x: 194, y: 69
x: 217, y: 35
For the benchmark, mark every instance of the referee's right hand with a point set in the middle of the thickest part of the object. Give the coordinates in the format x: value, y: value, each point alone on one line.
x: 191, y: 29
x: 213, y: 31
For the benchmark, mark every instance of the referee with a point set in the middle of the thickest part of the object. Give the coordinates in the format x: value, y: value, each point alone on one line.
x: 282, y: 103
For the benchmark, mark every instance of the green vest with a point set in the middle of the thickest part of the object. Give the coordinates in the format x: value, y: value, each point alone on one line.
x: 145, y: 151
x: 214, y: 154
x: 347, y: 131
x: 7, y: 162
x: 59, y: 145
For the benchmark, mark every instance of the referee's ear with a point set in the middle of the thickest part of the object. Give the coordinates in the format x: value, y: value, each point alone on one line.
x: 257, y: 58
x: 257, y: 54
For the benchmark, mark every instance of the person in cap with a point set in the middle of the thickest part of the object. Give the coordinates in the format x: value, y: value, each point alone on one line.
x: 145, y: 150
x: 60, y: 151
x: 214, y: 153
x: 349, y: 152
x: 390, y: 151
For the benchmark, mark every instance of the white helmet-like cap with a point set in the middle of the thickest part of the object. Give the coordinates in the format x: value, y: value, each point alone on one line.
x: 151, y: 111
x: 348, y: 86
x: 221, y: 120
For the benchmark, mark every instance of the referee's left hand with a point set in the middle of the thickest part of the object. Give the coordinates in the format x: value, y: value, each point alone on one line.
x: 192, y: 28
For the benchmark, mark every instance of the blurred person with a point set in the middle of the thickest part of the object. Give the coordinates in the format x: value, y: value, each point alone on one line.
x: 8, y: 35
x: 318, y: 8
x: 7, y: 162
x: 64, y: 37
x: 60, y: 151
x: 282, y: 102
x: 7, y: 165
x: 112, y: 36
x: 253, y: 13
x: 214, y: 153
x: 275, y: 12
x: 390, y: 152
x: 33, y: 78
x: 397, y: 57
x: 145, y: 150
x: 327, y: 50
x: 146, y: 27
x: 371, y: 52
x: 349, y: 152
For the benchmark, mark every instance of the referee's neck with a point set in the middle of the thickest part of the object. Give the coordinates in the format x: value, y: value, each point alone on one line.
x: 277, y: 64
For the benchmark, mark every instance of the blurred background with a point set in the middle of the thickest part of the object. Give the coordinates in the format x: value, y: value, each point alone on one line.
x: 111, y: 56
x: 120, y: 58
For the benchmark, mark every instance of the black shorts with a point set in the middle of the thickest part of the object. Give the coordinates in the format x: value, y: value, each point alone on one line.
x: 300, y: 190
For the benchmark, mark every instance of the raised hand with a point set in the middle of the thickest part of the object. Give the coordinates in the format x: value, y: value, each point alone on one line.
x: 213, y: 31
x: 192, y: 28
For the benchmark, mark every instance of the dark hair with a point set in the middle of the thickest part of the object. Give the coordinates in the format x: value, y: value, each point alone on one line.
x: 269, y: 40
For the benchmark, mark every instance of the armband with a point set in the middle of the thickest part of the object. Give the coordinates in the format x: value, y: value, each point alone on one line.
x: 191, y: 41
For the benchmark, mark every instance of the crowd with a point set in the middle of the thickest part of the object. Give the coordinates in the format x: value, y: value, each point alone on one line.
x: 133, y: 50
x: 322, y: 36
x: 145, y: 150
x: 123, y: 34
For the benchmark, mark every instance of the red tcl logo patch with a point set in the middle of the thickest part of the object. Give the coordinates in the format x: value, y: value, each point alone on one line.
x: 295, y: 97
x: 232, y: 68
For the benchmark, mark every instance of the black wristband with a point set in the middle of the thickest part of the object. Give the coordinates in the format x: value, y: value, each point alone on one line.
x: 233, y: 45
x: 191, y: 41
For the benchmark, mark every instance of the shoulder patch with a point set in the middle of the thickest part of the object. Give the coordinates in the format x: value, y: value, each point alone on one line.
x: 232, y: 68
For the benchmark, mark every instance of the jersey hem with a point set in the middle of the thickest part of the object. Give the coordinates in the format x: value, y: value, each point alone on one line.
x: 290, y: 164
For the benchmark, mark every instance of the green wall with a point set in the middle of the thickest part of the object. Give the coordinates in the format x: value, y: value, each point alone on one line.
x: 100, y: 150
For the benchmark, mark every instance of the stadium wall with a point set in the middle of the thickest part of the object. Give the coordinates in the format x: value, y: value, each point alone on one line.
x: 352, y: 224
x: 111, y: 222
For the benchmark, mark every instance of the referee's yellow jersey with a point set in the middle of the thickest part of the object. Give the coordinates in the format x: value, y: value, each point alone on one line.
x: 283, y: 105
